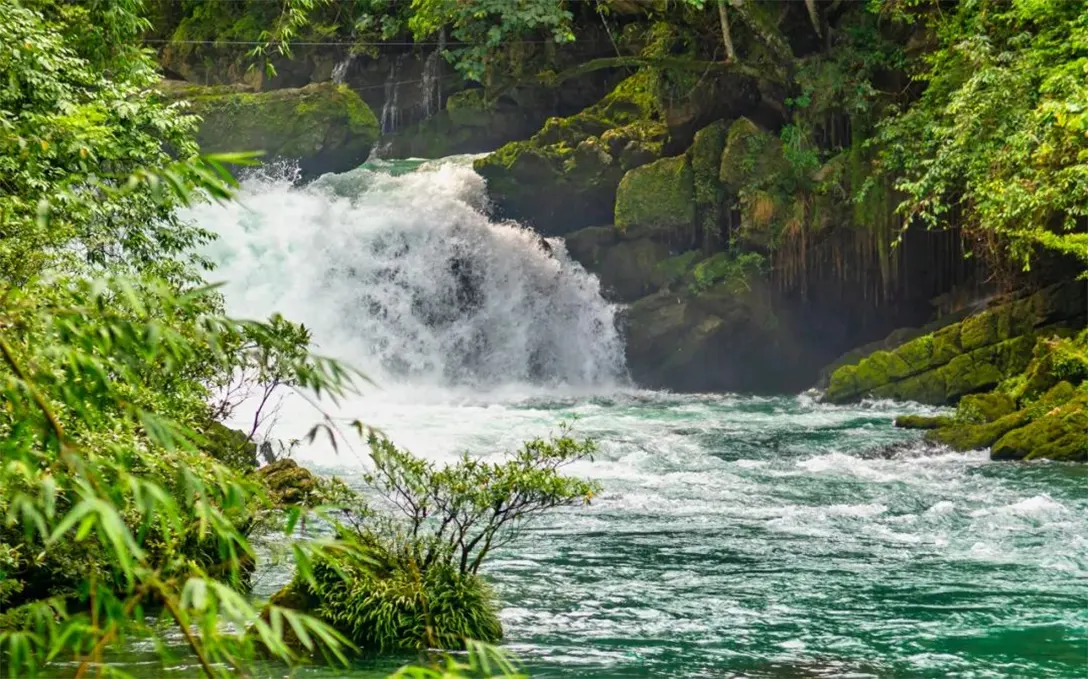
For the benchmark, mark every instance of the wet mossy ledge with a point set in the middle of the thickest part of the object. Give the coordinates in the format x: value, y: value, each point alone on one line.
x: 971, y: 356
x: 1017, y: 374
x: 565, y: 176
x: 324, y: 127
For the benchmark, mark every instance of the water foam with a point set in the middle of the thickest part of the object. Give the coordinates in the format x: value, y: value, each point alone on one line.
x: 405, y: 277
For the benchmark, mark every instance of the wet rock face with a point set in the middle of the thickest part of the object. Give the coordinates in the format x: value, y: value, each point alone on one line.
x: 288, y: 483
x: 324, y: 127
x: 717, y: 339
x: 967, y: 357
x: 565, y: 176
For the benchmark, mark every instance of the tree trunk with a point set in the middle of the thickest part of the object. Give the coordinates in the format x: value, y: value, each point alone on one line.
x: 727, y: 39
x: 811, y: 5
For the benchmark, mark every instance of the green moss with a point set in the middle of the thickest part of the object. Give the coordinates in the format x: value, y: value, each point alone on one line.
x: 1059, y: 434
x: 922, y: 421
x: 982, y: 408
x: 978, y: 331
x: 966, y: 436
x: 566, y: 175
x: 658, y: 198
x: 733, y: 270
x: 705, y: 158
x: 326, y: 127
x: 739, y: 157
x: 672, y: 270
x: 289, y: 484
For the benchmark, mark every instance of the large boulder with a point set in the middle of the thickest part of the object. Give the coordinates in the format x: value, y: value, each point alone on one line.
x: 1041, y: 413
x: 289, y: 484
x: 971, y: 356
x: 726, y: 337
x: 658, y: 200
x: 565, y: 176
x: 324, y: 127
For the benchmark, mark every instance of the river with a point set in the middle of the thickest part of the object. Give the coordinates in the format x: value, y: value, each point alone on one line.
x: 736, y: 535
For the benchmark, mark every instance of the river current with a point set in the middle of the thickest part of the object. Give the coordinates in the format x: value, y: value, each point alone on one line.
x: 736, y: 536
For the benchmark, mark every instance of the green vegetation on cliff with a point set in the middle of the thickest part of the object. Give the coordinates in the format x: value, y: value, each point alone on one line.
x: 325, y: 127
x: 1039, y: 413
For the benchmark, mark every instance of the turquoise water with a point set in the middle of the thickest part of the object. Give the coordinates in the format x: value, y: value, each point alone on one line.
x: 780, y: 538
x: 736, y: 536
x: 751, y: 537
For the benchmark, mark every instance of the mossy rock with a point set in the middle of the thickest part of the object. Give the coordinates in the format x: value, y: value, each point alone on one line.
x: 565, y: 176
x: 705, y: 158
x: 969, y: 436
x: 1059, y: 434
x: 627, y: 269
x: 982, y: 408
x: 1054, y: 359
x: 738, y: 157
x: 324, y: 127
x: 289, y: 484
x: 231, y: 447
x: 922, y: 421
x: 658, y: 200
x: 971, y: 356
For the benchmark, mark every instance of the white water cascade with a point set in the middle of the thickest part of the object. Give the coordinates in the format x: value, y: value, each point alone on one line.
x: 390, y: 116
x: 405, y: 277
x: 431, y: 83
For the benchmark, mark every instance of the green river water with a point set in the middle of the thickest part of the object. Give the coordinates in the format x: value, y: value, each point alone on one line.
x: 736, y: 536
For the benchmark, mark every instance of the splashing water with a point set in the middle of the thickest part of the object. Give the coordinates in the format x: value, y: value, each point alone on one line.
x: 340, y: 71
x: 405, y: 277
x: 431, y: 83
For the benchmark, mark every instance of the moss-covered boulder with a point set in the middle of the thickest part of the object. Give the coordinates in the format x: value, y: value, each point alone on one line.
x: 1059, y: 434
x: 324, y: 127
x: 658, y: 200
x: 628, y: 269
x: 1016, y: 422
x: 714, y: 339
x: 289, y: 484
x: 705, y: 156
x: 565, y: 176
x: 971, y: 356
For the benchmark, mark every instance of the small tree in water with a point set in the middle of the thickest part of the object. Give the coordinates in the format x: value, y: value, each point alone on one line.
x: 419, y: 584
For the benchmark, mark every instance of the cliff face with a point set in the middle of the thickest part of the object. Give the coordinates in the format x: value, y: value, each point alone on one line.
x: 735, y: 205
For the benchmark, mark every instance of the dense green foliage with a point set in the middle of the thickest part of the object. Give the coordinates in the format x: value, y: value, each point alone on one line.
x: 425, y: 539
x: 1001, y: 129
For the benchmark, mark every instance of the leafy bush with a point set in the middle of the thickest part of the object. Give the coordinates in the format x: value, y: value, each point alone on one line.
x: 387, y: 603
x: 418, y: 584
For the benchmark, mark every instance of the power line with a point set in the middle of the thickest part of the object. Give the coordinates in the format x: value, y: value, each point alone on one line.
x: 341, y: 43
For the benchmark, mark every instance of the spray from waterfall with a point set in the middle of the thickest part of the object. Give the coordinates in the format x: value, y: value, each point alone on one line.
x: 403, y: 275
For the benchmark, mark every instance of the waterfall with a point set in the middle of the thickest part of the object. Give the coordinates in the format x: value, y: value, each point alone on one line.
x: 397, y: 269
x: 340, y: 71
x: 390, y: 117
x: 431, y: 83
